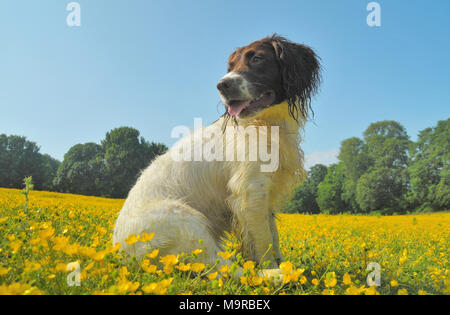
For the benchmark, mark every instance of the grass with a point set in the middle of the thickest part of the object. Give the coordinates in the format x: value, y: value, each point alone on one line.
x: 324, y: 254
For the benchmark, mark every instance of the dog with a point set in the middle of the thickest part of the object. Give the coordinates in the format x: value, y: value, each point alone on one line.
x: 269, y: 86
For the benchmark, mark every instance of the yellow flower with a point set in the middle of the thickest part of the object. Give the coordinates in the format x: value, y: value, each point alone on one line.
x: 296, y: 274
x: 197, y: 267
x: 352, y: 290
x: 225, y: 255
x: 47, y: 233
x: 123, y: 272
x: 147, y: 267
x: 402, y: 292
x: 71, y: 249
x: 403, y: 258
x: 346, y: 279
x: 115, y: 248
x: 422, y: 292
x: 4, y: 271
x: 286, y: 267
x: 184, y: 267
x: 15, y: 245
x: 224, y: 269
x: 303, y: 280
x: 212, y: 276
x: 99, y: 256
x: 19, y: 289
x: 125, y: 286
x: 254, y: 280
x: 158, y: 287
x: 131, y: 239
x: 151, y: 288
x: 371, y: 291
x: 330, y: 280
x: 197, y: 251
x: 315, y: 281
x: 145, y: 237
x: 61, y: 267
x: 249, y: 265
x: 31, y: 266
x: 394, y: 283
x: 100, y: 230
x: 153, y: 254
x: 328, y: 292
x: 169, y: 260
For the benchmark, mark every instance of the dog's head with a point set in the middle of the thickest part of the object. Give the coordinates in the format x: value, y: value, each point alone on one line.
x: 268, y: 72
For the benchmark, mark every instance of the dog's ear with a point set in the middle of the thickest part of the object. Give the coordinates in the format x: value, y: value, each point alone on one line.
x: 300, y: 74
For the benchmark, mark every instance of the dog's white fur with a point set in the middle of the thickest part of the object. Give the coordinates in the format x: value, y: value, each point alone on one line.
x: 182, y: 202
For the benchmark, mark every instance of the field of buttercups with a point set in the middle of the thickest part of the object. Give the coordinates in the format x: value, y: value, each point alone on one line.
x: 61, y: 244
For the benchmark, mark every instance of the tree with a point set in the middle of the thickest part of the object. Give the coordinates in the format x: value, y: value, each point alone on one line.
x: 380, y: 189
x: 125, y: 155
x: 305, y: 195
x: 20, y: 158
x: 355, y: 161
x: 81, y: 170
x: 49, y: 169
x: 387, y: 143
x: 429, y: 168
x: 329, y: 192
x: 384, y: 185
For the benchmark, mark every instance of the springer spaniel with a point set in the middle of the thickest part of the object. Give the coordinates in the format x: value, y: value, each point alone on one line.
x: 269, y: 84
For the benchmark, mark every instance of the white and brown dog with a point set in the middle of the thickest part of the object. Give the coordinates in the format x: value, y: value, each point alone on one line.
x: 269, y: 84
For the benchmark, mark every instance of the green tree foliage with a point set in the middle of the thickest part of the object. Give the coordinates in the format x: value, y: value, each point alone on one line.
x: 126, y: 154
x: 49, y: 169
x: 20, y: 158
x: 81, y: 170
x: 304, y: 200
x: 109, y: 169
x: 384, y: 172
x: 430, y: 168
x: 355, y: 161
x: 329, y: 192
x: 384, y: 185
x: 387, y: 143
x: 380, y: 189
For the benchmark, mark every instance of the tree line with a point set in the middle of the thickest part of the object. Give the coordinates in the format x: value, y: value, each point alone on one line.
x: 107, y: 169
x: 383, y: 172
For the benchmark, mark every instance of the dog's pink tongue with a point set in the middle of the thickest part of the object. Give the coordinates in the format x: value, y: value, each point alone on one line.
x: 237, y: 109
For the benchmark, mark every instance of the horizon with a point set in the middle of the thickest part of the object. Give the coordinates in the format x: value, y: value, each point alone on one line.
x: 129, y: 65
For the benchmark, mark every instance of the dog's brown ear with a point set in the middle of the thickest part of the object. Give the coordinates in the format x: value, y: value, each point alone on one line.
x: 300, y: 73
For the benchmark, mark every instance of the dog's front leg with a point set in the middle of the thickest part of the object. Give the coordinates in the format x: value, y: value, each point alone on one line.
x: 250, y: 205
x: 276, y: 241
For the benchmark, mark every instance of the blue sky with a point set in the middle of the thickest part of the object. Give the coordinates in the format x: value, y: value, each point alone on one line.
x: 154, y: 65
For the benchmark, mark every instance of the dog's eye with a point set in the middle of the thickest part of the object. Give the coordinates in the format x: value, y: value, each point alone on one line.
x: 256, y: 59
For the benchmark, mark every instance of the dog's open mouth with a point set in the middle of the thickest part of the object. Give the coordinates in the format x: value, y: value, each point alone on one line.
x: 238, y: 108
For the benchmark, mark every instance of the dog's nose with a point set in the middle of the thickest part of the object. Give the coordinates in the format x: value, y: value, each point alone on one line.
x: 224, y: 85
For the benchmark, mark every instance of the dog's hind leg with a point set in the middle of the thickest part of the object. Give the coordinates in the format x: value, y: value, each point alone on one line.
x: 178, y: 229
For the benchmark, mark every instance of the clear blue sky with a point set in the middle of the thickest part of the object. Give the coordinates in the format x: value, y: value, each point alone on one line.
x: 154, y: 64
